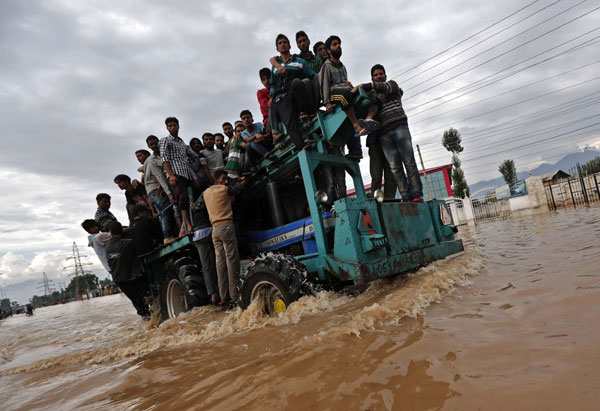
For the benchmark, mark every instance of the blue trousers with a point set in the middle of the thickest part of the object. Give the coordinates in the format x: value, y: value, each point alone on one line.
x: 167, y: 221
x: 398, y: 150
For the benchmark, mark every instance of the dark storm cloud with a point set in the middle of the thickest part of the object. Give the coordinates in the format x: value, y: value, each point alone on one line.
x: 85, y: 82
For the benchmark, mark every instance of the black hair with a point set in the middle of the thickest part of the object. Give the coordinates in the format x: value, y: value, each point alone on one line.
x: 239, y: 125
x: 264, y: 72
x: 122, y: 177
x: 244, y: 112
x: 102, y: 196
x: 227, y: 123
x: 377, y: 67
x: 196, y: 138
x: 317, y: 45
x: 279, y: 37
x: 115, y: 228
x: 88, y: 224
x: 151, y: 137
x: 171, y: 120
x: 138, y: 208
x: 330, y: 40
x: 219, y: 173
x: 207, y: 134
x: 301, y: 33
x: 144, y: 152
x: 219, y: 134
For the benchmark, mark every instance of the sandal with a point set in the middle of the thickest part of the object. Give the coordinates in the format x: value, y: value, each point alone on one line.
x: 369, y: 124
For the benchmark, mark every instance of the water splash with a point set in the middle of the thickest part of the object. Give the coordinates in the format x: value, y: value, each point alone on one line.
x: 386, y: 301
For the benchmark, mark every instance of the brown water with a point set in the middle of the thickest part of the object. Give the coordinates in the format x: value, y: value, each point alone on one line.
x: 512, y: 323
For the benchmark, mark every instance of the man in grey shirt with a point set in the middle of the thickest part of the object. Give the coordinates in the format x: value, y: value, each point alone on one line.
x: 214, y: 156
x: 158, y: 189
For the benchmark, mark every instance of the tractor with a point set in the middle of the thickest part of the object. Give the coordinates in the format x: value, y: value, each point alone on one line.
x: 299, y: 232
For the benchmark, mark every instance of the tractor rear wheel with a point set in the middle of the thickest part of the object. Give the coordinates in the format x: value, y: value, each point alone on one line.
x: 174, y: 298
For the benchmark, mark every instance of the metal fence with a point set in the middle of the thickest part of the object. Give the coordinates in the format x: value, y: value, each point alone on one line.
x: 487, y: 207
x: 457, y: 210
x: 576, y: 191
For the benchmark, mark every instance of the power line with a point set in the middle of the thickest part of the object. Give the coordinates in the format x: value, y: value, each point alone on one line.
x: 502, y: 42
x: 510, y: 105
x: 561, y: 106
x: 504, y: 53
x: 492, y: 81
x: 468, y: 38
x: 481, y: 41
x: 535, y: 161
x: 531, y: 143
x: 525, y: 136
x: 495, y: 96
x: 496, y: 132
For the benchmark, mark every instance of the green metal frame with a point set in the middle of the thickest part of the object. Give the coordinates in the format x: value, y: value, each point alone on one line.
x: 371, y: 240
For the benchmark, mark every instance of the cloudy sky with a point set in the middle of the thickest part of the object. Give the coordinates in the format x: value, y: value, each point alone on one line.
x: 84, y: 82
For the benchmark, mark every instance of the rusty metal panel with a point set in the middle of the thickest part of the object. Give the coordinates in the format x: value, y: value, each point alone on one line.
x: 408, y: 226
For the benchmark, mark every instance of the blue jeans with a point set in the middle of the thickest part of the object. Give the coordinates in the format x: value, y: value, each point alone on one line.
x: 254, y: 152
x: 167, y: 221
x: 398, y: 150
x: 379, y: 168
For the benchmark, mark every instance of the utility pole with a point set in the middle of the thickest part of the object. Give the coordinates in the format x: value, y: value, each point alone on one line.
x: 46, y: 285
x: 77, y: 266
x: 424, y: 173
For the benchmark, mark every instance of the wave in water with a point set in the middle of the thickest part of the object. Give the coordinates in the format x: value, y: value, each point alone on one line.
x: 384, y: 302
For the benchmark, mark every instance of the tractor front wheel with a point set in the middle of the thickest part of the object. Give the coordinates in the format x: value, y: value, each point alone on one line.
x: 276, y: 280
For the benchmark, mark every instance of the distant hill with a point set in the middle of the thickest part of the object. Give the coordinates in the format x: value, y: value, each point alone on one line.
x: 22, y: 292
x: 564, y: 164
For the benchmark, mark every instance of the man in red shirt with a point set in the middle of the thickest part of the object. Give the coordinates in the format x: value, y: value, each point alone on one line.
x: 263, y: 95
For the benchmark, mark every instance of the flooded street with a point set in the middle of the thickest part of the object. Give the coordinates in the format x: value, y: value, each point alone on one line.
x: 511, y: 323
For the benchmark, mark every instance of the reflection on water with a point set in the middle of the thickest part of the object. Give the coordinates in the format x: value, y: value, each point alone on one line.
x: 508, y: 324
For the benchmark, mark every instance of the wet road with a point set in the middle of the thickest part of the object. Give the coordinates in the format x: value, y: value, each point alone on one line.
x: 512, y: 323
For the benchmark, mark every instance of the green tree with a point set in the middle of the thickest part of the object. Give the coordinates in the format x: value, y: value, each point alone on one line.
x: 459, y: 186
x: 592, y: 166
x: 81, y: 283
x: 105, y: 282
x: 453, y: 143
x: 509, y: 171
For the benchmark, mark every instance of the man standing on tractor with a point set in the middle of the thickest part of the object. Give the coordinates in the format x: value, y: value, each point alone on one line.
x: 217, y: 199
x: 175, y: 154
x: 394, y: 135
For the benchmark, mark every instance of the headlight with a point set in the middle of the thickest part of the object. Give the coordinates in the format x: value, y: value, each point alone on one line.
x: 321, y: 197
x: 378, y: 195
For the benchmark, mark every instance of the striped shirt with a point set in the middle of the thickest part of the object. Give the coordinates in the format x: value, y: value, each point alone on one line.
x: 234, y: 163
x: 104, y: 218
x: 391, y: 114
x: 295, y: 68
x: 314, y: 62
x: 174, y: 151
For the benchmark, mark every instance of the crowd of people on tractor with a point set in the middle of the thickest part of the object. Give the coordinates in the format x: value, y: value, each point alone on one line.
x: 296, y: 88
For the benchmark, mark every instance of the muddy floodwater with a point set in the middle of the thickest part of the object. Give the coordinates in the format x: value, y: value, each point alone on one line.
x: 513, y: 323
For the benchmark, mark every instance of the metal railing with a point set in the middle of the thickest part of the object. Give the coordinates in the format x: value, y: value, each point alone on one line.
x: 575, y: 191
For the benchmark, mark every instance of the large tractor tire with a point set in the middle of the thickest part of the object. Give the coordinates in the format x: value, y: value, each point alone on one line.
x: 277, y: 280
x: 182, y: 287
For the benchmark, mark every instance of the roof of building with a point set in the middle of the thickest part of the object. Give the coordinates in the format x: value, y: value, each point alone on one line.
x: 554, y: 175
